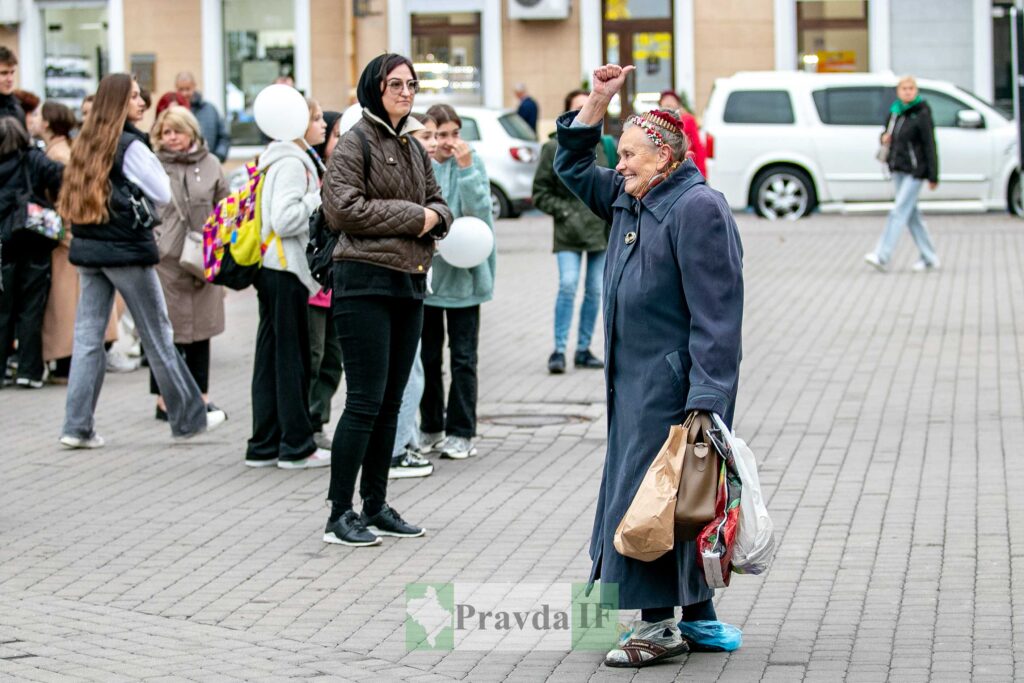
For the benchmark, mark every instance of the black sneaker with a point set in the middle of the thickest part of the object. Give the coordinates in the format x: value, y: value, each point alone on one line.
x: 409, y: 465
x: 585, y: 359
x: 349, y: 530
x: 556, y: 363
x: 388, y: 522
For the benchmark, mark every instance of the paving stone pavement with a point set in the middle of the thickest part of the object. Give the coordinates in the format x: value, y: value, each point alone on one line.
x: 884, y: 410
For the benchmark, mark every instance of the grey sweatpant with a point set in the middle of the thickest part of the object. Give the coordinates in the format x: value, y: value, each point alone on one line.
x: 141, y: 290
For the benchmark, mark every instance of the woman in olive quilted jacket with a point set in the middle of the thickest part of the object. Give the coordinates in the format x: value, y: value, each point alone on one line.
x: 381, y: 197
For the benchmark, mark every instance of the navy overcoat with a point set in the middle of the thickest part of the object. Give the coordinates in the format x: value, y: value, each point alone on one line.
x: 673, y: 309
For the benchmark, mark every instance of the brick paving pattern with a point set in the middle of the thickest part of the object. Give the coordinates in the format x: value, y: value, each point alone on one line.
x: 884, y: 410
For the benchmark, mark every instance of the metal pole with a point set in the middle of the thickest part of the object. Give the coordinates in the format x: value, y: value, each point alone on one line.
x: 1015, y: 39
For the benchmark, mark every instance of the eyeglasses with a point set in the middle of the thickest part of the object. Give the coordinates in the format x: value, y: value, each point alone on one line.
x: 396, y: 87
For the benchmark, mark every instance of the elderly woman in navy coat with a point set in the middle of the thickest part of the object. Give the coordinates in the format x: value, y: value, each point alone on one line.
x: 673, y: 311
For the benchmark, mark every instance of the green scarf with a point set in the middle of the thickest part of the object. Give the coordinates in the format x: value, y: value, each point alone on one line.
x: 899, y: 108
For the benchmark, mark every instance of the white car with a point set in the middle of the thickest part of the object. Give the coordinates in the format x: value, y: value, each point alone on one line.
x: 784, y: 142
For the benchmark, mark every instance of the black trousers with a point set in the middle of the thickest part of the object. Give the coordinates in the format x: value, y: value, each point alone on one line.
x: 26, y: 280
x: 197, y: 358
x: 463, y: 340
x: 280, y: 378
x: 378, y: 337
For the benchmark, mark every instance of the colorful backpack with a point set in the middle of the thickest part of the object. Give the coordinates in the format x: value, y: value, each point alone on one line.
x: 232, y: 246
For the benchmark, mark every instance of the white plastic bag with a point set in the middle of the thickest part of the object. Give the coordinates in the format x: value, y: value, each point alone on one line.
x: 755, y: 537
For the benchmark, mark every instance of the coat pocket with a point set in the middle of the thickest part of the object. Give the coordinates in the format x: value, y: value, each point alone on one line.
x: 675, y: 363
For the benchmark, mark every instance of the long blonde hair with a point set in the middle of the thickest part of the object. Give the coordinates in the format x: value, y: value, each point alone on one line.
x: 85, y: 190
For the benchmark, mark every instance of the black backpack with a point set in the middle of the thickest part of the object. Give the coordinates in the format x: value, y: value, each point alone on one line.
x: 322, y: 241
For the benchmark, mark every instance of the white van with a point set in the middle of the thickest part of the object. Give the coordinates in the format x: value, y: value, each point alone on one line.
x: 785, y: 142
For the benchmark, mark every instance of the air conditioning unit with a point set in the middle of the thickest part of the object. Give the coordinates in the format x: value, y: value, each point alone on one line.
x: 538, y: 9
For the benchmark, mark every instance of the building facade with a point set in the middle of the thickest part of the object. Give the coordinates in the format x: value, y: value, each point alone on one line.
x: 476, y: 51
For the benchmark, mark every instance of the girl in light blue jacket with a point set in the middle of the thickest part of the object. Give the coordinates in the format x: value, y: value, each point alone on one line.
x: 456, y: 297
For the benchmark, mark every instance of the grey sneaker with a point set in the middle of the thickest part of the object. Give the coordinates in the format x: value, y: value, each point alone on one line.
x: 322, y: 440
x: 429, y: 441
x: 456, y: 448
x: 648, y: 644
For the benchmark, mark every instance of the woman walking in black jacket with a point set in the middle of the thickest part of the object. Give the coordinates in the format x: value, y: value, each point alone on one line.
x: 111, y: 183
x: 910, y: 136
x: 26, y: 176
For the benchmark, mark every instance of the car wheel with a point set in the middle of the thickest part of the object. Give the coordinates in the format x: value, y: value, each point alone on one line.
x: 500, y: 207
x: 782, y: 192
x: 1014, y: 201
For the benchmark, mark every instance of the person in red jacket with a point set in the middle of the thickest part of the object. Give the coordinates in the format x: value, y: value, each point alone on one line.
x: 671, y: 101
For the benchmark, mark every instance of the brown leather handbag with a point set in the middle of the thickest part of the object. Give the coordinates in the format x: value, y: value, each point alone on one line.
x: 698, y: 484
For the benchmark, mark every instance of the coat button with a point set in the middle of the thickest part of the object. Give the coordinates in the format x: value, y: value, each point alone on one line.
x: 419, y: 268
x: 391, y: 160
x: 404, y: 141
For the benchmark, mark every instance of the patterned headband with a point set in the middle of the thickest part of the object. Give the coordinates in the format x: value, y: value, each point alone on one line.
x: 651, y: 121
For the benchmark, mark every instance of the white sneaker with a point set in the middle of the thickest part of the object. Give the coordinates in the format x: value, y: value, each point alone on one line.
x: 409, y: 465
x: 456, y: 448
x: 923, y: 266
x: 429, y: 441
x: 648, y: 643
x: 214, y: 419
x: 321, y: 457
x: 119, y: 362
x: 272, y: 462
x: 94, y: 441
x: 871, y: 258
x: 26, y: 383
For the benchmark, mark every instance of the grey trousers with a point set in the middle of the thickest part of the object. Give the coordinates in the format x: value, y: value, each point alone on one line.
x: 141, y: 290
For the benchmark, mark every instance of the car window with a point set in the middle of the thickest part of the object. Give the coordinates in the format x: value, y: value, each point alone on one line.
x: 759, y: 106
x: 516, y: 127
x: 856, y: 106
x: 470, y: 132
x: 944, y: 108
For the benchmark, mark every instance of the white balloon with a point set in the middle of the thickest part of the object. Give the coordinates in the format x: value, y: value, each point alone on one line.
x: 468, y: 244
x: 350, y: 117
x: 281, y: 112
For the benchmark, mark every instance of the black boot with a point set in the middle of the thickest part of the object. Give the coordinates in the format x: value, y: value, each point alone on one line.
x: 585, y: 359
x: 556, y: 363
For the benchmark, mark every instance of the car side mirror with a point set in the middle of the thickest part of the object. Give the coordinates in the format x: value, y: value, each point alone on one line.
x: 968, y: 118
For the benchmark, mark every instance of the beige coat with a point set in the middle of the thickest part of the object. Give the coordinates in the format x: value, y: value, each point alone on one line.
x: 196, y: 308
x: 61, y: 306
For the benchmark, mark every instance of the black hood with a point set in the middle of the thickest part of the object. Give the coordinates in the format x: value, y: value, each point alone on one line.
x: 369, y: 89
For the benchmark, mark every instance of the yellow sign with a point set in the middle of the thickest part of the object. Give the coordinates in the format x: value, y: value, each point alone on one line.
x: 647, y: 45
x: 837, y: 61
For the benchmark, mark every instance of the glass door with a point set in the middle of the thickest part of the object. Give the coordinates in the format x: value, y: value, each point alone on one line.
x: 75, y: 53
x: 638, y: 32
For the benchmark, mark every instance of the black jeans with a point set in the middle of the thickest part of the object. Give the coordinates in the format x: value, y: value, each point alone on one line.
x: 197, y: 358
x: 378, y: 335
x: 26, y: 281
x: 327, y: 366
x: 280, y: 378
x: 463, y: 340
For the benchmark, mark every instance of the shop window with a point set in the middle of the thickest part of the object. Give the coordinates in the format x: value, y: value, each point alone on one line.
x: 618, y: 10
x: 867, y: 106
x: 638, y: 32
x: 759, y: 106
x: 259, y: 47
x: 446, y: 54
x: 832, y: 35
x: 75, y: 49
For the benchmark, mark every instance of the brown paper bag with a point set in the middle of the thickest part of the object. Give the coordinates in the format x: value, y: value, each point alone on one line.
x: 647, y: 530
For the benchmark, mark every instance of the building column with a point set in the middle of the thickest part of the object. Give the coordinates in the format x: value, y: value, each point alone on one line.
x: 212, y: 45
x: 879, y: 36
x: 984, y: 77
x: 590, y: 37
x: 303, y: 48
x: 115, y: 36
x: 492, y: 66
x: 30, y: 48
x: 785, y: 35
x: 684, y: 46
x: 399, y: 27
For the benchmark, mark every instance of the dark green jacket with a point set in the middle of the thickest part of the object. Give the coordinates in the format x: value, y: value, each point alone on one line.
x: 576, y: 227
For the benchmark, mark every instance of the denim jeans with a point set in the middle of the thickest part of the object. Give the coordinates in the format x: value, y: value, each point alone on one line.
x: 145, y: 298
x: 906, y: 213
x: 408, y: 432
x: 569, y: 266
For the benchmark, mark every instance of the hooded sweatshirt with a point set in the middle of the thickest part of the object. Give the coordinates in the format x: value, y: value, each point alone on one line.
x: 291, y: 193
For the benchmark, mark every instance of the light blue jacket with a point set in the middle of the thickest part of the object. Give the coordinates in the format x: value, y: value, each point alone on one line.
x: 467, y: 192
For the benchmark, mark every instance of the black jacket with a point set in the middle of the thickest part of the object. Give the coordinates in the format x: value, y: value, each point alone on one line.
x: 10, y: 106
x: 913, y: 148
x: 26, y: 176
x: 121, y: 241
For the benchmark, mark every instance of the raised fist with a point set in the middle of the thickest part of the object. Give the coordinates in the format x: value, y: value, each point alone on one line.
x: 609, y: 78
